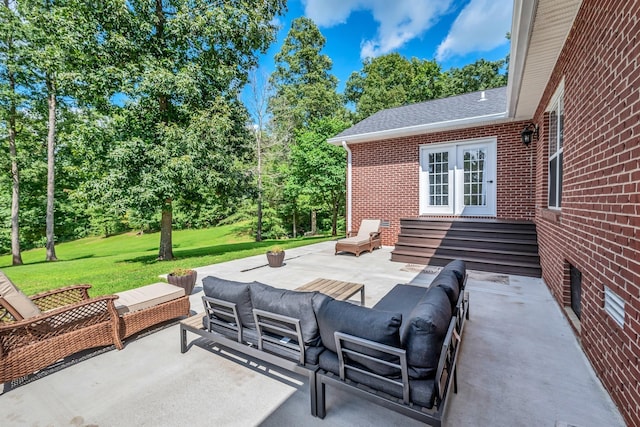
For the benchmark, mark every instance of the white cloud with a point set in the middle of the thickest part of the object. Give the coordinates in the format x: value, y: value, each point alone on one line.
x: 481, y: 26
x: 400, y: 20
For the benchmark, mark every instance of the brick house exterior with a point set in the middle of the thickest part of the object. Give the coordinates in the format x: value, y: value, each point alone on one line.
x: 596, y: 229
x: 385, y: 175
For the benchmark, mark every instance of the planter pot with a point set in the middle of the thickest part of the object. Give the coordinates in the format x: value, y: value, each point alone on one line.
x: 186, y: 282
x: 275, y: 258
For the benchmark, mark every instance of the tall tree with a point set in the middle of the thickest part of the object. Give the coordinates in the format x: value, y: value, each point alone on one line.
x: 392, y: 80
x: 10, y: 27
x: 260, y: 92
x: 61, y: 38
x: 305, y: 89
x: 183, y: 131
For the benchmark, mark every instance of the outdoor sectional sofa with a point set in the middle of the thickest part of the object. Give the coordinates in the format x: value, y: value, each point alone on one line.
x: 401, y: 354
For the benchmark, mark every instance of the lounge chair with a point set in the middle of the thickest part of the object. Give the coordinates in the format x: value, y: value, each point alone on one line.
x: 39, y: 330
x: 367, y: 239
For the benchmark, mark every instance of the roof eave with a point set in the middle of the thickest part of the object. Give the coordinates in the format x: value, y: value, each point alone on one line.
x: 421, y: 129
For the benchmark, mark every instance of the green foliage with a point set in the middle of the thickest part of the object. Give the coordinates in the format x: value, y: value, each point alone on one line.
x: 479, y: 75
x: 392, y: 80
x: 305, y: 90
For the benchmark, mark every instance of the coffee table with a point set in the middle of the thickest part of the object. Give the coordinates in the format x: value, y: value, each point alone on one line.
x: 335, y: 288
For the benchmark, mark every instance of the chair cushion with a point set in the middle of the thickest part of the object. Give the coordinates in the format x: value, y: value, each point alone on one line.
x: 422, y: 392
x: 146, y: 297
x: 425, y: 331
x: 379, y: 326
x: 235, y: 292
x: 19, y: 301
x: 459, y: 268
x: 355, y: 241
x: 401, y: 299
x: 368, y: 226
x: 448, y: 281
x: 298, y: 305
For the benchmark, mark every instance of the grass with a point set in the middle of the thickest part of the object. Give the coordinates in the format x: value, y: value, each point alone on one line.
x: 127, y: 261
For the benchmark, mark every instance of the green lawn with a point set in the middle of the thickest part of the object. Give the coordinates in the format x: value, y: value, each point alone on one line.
x: 128, y: 261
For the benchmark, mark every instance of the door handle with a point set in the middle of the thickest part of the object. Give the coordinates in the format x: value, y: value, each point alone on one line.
x: 490, y: 181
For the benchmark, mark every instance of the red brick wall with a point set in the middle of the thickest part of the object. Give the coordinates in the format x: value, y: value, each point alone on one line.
x: 598, y: 228
x: 386, y: 173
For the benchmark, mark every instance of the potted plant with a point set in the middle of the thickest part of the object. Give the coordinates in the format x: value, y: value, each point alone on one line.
x: 183, y: 277
x: 275, y: 256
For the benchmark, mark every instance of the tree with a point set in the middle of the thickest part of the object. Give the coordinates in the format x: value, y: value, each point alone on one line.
x: 305, y: 90
x: 260, y: 91
x: 391, y: 81
x: 182, y: 132
x: 10, y: 28
x: 318, y: 168
x: 61, y: 38
x: 479, y: 75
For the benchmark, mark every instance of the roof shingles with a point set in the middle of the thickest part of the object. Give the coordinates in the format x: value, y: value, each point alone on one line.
x: 443, y: 110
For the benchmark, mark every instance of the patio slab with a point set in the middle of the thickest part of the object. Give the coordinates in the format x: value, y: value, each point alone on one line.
x: 520, y: 364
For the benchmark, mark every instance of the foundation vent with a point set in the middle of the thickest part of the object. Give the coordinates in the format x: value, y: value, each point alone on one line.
x: 614, y: 305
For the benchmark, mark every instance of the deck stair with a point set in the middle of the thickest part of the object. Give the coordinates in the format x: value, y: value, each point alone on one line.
x: 499, y: 246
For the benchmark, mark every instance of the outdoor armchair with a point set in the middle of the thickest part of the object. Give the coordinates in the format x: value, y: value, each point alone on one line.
x: 37, y: 331
x: 367, y: 239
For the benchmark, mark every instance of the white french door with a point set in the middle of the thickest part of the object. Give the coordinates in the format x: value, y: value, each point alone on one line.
x: 458, y: 178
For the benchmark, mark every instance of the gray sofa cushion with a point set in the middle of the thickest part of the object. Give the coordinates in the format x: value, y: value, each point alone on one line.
x: 298, y: 305
x: 448, y: 281
x: 425, y: 332
x: 379, y: 326
x: 230, y: 291
x: 422, y: 391
x: 459, y: 268
x: 401, y: 299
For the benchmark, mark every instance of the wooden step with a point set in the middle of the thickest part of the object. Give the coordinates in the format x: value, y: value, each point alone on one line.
x: 485, y: 244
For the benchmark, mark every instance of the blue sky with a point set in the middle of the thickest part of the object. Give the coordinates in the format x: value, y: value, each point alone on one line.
x: 454, y: 32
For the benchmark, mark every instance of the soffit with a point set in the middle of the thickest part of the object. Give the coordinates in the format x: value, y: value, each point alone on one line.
x: 547, y: 33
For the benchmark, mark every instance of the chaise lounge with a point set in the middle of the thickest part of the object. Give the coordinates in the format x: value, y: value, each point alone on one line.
x: 367, y: 239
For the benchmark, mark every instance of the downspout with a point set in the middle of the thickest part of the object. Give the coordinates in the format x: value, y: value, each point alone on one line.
x: 346, y: 147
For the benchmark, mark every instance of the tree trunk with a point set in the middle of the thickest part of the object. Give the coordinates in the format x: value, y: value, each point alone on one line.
x: 51, y: 137
x: 295, y: 228
x: 259, y: 153
x: 166, y: 245
x: 15, y: 175
x: 313, y: 223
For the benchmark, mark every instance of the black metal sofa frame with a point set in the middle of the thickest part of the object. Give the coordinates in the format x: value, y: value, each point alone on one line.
x: 271, y: 328
x: 279, y: 340
x: 445, y: 378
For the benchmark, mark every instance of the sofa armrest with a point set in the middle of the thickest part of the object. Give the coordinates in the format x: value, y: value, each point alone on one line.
x: 279, y: 330
x: 60, y: 297
x: 342, y: 338
x: 446, y: 371
x: 59, y: 321
x: 217, y: 309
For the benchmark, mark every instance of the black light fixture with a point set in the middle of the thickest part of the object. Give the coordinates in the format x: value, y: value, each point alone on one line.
x: 528, y: 133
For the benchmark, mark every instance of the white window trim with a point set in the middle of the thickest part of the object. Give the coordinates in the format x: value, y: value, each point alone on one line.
x: 423, y: 206
x: 556, y: 99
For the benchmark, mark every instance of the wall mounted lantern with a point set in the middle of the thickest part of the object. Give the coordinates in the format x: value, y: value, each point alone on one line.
x: 528, y: 133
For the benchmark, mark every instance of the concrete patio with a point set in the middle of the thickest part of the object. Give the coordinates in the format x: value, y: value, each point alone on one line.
x: 520, y: 364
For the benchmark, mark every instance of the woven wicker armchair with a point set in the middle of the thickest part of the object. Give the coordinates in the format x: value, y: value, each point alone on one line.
x: 61, y: 322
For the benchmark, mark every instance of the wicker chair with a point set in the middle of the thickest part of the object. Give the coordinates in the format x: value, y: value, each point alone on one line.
x: 367, y: 239
x: 37, y: 331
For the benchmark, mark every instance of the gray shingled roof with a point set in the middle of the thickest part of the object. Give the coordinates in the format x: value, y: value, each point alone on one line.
x: 458, y: 107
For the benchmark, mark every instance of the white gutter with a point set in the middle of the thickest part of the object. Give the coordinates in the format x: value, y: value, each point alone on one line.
x: 348, y: 207
x: 418, y: 129
x: 521, y: 28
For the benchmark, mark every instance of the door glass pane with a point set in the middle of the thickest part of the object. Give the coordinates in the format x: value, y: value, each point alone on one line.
x: 439, y: 179
x: 474, y: 185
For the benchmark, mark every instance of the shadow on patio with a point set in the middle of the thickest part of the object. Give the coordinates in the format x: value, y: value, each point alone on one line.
x: 520, y: 364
